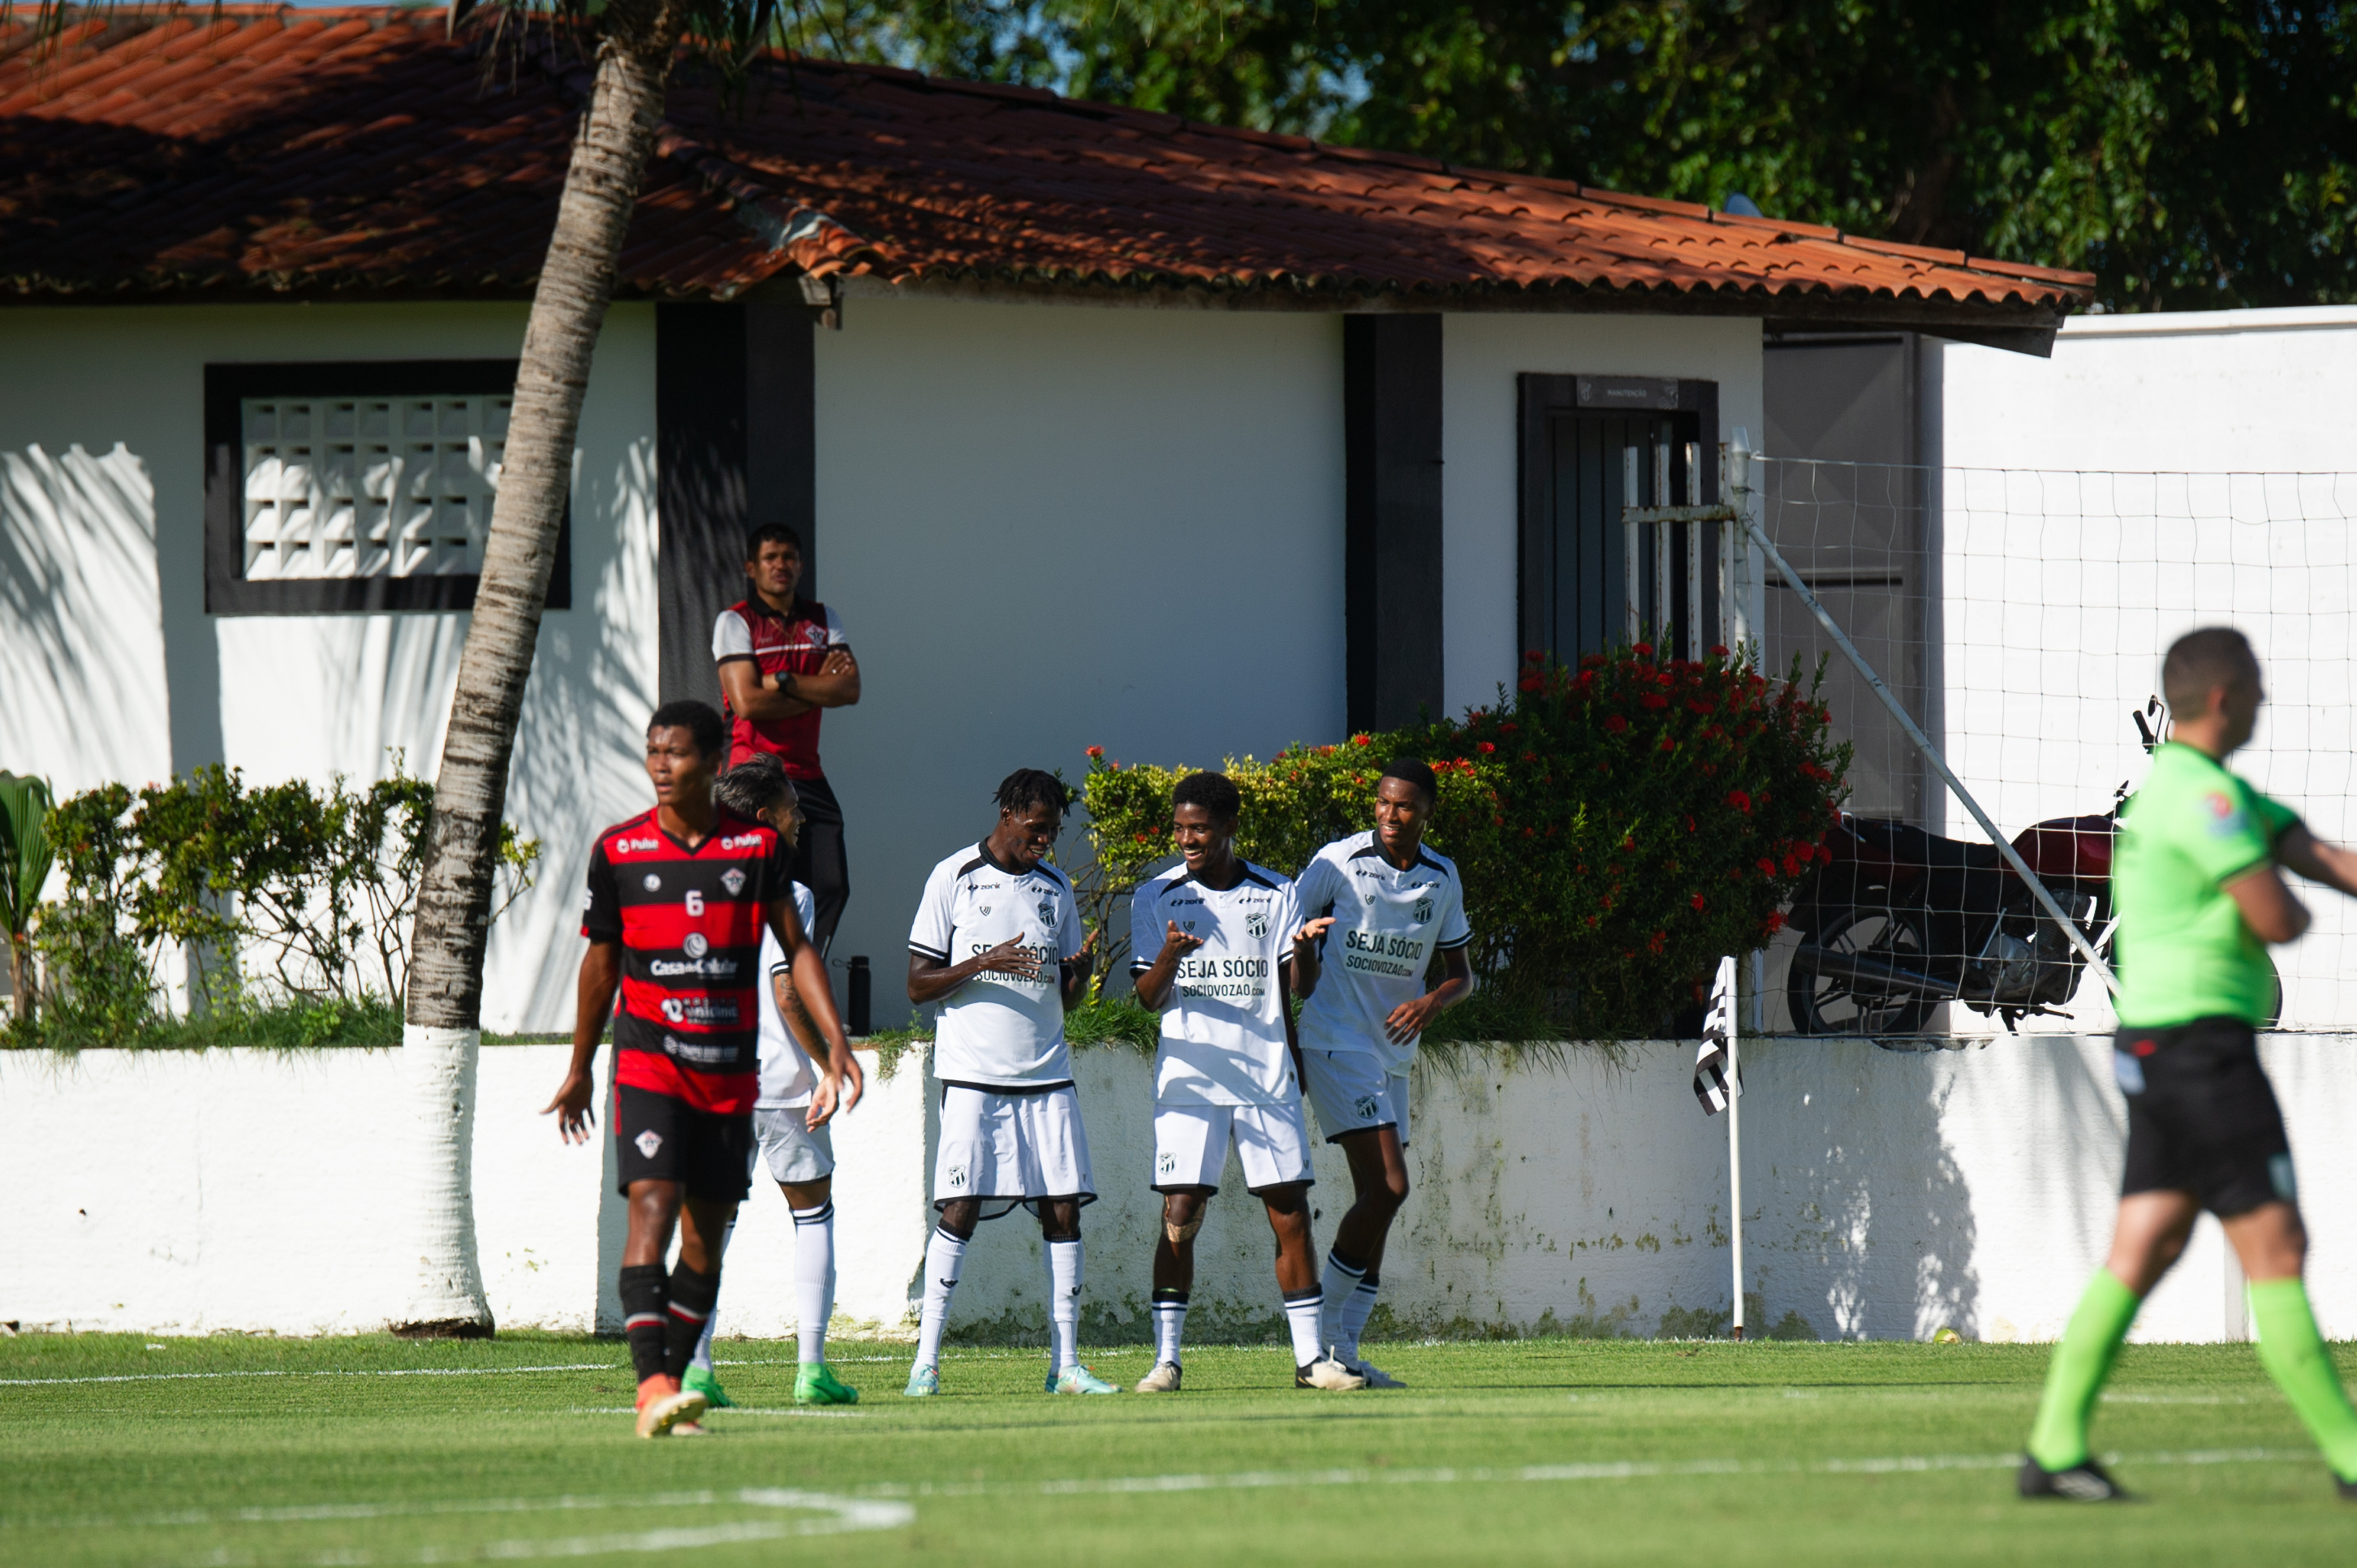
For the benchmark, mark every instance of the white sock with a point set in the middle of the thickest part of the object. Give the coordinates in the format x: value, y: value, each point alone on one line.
x: 813, y: 1279
x: 702, y: 1361
x: 944, y: 1256
x: 1064, y: 1303
x: 1301, y: 1316
x: 1170, y: 1322
x: 1354, y: 1316
x: 1341, y: 1282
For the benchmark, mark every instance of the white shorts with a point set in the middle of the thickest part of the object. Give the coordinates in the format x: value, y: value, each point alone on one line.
x: 1352, y: 1093
x: 1190, y: 1146
x: 1011, y: 1148
x: 793, y: 1152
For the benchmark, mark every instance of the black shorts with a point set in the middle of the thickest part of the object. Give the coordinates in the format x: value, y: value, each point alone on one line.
x: 659, y: 1138
x: 2203, y: 1117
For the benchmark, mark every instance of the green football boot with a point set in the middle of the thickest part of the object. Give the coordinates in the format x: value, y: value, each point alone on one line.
x: 815, y: 1384
x: 701, y: 1381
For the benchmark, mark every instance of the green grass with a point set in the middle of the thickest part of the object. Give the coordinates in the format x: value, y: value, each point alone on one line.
x: 1654, y: 1452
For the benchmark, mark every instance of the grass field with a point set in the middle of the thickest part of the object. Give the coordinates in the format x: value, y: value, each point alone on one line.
x: 228, y: 1450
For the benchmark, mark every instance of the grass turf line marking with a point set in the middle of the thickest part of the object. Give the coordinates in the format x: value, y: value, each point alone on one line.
x: 297, y: 1372
x: 839, y: 1516
x: 1611, y: 1470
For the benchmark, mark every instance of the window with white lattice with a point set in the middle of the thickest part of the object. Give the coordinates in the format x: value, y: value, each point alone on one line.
x: 393, y: 487
x: 355, y: 486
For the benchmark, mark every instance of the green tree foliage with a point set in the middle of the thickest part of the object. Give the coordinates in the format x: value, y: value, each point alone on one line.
x: 2194, y: 155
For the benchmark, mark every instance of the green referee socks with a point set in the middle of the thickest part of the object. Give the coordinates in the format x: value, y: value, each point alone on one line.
x: 2294, y: 1355
x: 2058, y: 1439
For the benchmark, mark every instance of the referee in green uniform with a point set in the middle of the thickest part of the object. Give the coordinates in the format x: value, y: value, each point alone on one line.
x: 2200, y: 897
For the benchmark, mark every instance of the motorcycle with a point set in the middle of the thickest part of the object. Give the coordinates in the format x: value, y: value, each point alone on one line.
x: 1901, y: 920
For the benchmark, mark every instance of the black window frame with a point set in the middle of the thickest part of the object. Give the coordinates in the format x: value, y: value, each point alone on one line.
x: 229, y: 385
x: 1540, y: 398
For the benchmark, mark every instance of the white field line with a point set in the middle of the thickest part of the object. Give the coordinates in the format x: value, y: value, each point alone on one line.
x: 888, y: 1506
x: 297, y: 1372
x: 401, y: 1373
x: 1620, y: 1470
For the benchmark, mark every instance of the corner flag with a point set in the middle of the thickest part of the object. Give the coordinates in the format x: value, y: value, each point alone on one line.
x: 1710, y: 1085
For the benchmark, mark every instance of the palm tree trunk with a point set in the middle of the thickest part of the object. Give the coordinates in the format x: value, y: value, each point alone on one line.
x: 443, y: 1028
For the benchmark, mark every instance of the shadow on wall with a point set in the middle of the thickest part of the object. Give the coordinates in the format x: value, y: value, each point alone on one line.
x: 79, y: 596
x: 1882, y: 1246
x: 583, y: 735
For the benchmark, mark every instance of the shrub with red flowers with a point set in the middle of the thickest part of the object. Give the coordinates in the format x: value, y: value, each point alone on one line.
x: 1619, y: 826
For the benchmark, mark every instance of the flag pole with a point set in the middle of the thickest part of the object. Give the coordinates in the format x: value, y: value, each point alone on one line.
x: 1735, y: 1167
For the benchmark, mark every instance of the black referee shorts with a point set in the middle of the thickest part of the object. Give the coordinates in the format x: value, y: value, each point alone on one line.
x: 659, y: 1137
x: 2203, y: 1117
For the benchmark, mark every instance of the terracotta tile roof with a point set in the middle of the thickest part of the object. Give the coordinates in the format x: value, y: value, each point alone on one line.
x: 363, y: 153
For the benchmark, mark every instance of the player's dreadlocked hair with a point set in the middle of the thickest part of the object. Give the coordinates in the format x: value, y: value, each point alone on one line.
x: 1215, y: 792
x: 753, y: 786
x: 1028, y: 786
x: 702, y: 722
x: 2201, y: 662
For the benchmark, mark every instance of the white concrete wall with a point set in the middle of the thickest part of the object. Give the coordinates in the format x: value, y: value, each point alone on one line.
x: 110, y: 669
x: 2158, y: 473
x: 1887, y: 1196
x: 1481, y: 357
x: 1048, y: 529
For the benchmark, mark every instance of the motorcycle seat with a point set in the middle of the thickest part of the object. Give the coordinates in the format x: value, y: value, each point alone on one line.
x: 1909, y: 845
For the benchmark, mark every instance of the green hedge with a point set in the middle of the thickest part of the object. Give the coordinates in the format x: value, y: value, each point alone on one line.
x: 291, y: 902
x: 1619, y: 826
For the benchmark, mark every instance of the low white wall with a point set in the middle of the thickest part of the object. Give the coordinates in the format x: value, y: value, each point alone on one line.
x: 1887, y: 1196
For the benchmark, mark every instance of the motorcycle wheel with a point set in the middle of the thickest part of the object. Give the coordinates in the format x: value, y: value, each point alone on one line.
x: 1824, y: 1005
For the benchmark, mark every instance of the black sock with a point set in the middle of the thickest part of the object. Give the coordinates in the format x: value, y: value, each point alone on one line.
x: 692, y: 1298
x: 644, y: 1317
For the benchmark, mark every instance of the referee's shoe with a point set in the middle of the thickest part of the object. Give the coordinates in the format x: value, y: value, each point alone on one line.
x: 2085, y: 1482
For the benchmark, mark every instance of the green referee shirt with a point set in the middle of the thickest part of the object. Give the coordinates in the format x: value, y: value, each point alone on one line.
x: 2184, y: 952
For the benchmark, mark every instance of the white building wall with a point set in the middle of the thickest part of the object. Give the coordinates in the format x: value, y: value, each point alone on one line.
x: 2158, y: 473
x: 1886, y: 1198
x: 1051, y: 528
x: 1481, y: 357
x: 110, y: 668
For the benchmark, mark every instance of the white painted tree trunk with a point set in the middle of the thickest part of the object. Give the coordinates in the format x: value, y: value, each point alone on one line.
x: 443, y: 1011
x: 438, y: 1084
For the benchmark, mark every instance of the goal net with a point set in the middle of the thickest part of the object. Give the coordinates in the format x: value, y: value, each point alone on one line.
x: 2019, y: 617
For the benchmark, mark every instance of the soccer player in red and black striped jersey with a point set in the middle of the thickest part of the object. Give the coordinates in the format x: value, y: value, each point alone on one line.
x: 677, y: 900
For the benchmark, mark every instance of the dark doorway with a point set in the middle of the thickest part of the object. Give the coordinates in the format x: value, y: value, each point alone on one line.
x: 1845, y: 499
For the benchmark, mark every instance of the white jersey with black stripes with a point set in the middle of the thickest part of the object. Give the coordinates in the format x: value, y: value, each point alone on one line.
x: 998, y: 1030
x: 1388, y: 925
x: 1223, y: 1026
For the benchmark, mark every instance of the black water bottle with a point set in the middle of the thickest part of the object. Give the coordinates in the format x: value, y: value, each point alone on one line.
x: 859, y: 996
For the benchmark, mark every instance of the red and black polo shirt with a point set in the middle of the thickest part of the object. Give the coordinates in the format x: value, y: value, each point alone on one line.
x: 797, y: 642
x: 690, y: 924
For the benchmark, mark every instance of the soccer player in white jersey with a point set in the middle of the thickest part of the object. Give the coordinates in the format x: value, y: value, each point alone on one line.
x: 790, y: 1118
x: 1393, y: 904
x: 1226, y: 937
x: 997, y: 942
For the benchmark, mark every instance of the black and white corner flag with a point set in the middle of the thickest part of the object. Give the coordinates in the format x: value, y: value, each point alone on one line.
x: 1710, y: 1084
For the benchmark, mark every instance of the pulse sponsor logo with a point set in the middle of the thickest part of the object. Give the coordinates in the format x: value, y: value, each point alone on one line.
x: 740, y: 840
x: 637, y: 846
